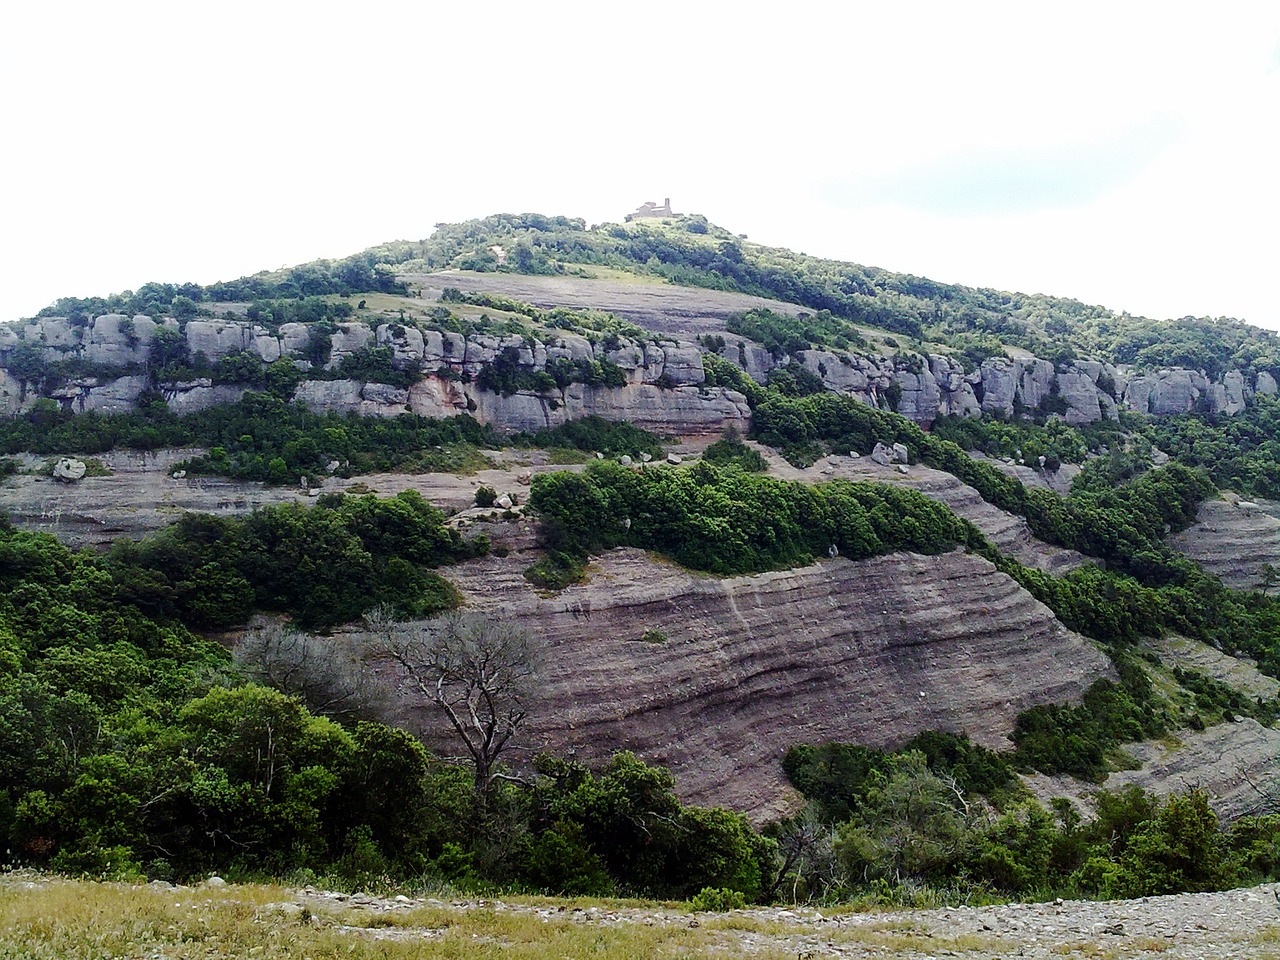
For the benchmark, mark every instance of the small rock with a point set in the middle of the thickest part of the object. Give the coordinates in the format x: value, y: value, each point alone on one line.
x: 331, y: 466
x: 525, y: 478
x: 179, y: 474
x: 903, y: 468
x: 625, y: 460
x: 646, y: 457
x: 1115, y: 929
x: 401, y: 898
x: 504, y: 502
x: 215, y: 881
x: 675, y: 459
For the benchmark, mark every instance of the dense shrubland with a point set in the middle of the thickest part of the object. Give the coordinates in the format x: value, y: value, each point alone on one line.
x: 942, y: 813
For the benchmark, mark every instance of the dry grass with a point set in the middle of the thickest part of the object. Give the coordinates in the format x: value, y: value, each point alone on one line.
x: 86, y: 921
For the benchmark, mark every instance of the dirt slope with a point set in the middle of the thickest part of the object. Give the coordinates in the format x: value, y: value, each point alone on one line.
x: 659, y: 307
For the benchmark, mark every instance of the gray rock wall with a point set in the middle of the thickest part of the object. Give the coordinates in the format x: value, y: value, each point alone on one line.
x: 669, y: 371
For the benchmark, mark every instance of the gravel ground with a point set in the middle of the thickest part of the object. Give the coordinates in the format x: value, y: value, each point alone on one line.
x: 1230, y: 925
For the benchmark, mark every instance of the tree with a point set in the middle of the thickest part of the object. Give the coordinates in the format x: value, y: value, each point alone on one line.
x: 326, y: 674
x: 478, y: 671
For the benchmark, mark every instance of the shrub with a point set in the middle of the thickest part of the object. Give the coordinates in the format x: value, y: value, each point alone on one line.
x: 717, y: 900
x: 485, y: 496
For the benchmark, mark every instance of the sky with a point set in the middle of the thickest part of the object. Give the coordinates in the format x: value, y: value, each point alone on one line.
x: 1125, y: 154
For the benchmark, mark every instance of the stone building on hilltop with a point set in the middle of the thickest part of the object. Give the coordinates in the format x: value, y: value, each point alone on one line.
x: 651, y: 209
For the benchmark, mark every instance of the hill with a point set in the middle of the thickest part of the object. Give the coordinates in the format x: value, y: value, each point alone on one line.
x: 811, y: 535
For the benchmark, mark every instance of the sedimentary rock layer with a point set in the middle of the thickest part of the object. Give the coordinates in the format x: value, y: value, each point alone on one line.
x: 1234, y: 540
x: 716, y: 678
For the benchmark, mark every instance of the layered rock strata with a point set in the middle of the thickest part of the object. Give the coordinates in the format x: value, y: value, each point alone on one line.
x: 1235, y: 540
x: 716, y: 678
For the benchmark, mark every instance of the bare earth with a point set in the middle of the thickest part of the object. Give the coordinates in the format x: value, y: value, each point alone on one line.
x: 662, y: 308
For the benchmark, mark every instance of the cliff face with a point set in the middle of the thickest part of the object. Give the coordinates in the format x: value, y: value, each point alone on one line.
x: 662, y: 384
x: 870, y: 651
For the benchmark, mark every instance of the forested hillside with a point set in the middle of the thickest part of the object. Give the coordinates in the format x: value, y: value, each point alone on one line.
x: 334, y: 683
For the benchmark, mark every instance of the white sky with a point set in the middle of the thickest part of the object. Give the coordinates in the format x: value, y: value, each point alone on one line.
x: 1121, y: 153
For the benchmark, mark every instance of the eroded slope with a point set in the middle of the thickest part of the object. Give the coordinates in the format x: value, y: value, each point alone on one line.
x: 871, y: 651
x: 1234, y: 540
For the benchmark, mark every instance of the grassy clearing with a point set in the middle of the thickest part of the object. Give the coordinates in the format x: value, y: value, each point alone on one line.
x: 85, y: 921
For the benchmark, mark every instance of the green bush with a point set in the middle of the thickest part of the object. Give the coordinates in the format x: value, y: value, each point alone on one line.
x: 717, y: 900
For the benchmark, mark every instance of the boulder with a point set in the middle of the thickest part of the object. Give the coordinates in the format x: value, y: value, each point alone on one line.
x: 1035, y: 381
x: 69, y: 470
x: 113, y: 396
x: 1266, y: 384
x: 999, y: 386
x: 408, y: 347
x: 1230, y: 395
x: 901, y: 454
x: 921, y: 398
x: 323, y: 396
x: 682, y: 364
x: 1081, y: 396
x: 217, y: 338
x: 264, y: 344
x: 294, y: 338
x: 347, y: 339
x: 882, y: 455
x: 115, y: 340
x: 385, y: 394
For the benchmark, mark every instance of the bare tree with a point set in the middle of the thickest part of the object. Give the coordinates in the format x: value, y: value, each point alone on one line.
x: 478, y: 671
x: 328, y: 674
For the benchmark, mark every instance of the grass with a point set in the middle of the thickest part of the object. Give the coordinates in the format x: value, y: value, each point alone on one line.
x: 72, y: 920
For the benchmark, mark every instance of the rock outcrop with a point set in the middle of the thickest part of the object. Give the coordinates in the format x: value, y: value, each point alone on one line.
x: 921, y: 388
x: 1235, y: 540
x: 871, y: 651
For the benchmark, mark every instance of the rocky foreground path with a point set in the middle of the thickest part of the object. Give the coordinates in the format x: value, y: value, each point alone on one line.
x: 1229, y: 925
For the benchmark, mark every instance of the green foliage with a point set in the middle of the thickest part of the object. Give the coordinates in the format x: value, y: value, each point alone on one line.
x: 717, y: 900
x: 377, y: 365
x: 323, y: 565
x: 730, y: 451
x: 628, y: 820
x: 836, y: 777
x: 486, y: 496
x: 726, y: 521
x: 245, y: 437
x: 783, y: 335
x: 594, y: 434
x: 1219, y: 701
x: 556, y: 571
x: 1075, y: 740
x: 1240, y: 453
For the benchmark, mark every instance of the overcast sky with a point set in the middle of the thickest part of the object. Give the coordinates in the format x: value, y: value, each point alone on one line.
x: 1121, y: 153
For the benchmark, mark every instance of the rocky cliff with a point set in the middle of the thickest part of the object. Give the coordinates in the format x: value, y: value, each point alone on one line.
x: 660, y: 383
x: 717, y: 677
